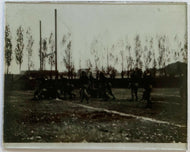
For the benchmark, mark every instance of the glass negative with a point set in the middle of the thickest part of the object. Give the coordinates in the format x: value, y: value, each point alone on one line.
x: 95, y: 73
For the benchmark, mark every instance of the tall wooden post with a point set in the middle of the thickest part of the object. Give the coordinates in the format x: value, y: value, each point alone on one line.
x: 55, y: 39
x: 40, y: 47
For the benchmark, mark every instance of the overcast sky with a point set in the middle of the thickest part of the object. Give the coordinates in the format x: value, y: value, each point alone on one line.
x: 86, y: 23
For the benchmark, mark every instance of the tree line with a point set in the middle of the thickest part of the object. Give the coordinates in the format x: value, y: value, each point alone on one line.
x: 131, y: 56
x: 46, y: 56
x: 152, y: 53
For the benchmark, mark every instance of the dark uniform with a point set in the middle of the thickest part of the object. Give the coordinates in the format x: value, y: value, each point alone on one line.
x: 68, y: 90
x: 134, y: 84
x: 39, y: 89
x: 109, y: 91
x: 52, y: 89
x: 122, y: 74
x: 84, y: 86
x: 91, y: 80
x: 102, y: 85
x: 93, y: 91
x: 105, y: 87
x: 147, y: 84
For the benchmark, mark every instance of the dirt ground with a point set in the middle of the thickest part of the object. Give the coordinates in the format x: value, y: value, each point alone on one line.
x: 119, y: 120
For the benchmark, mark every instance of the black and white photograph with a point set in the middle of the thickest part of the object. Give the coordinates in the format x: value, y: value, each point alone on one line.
x: 89, y: 72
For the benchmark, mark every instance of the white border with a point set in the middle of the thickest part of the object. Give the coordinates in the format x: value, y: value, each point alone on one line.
x: 97, y: 146
x: 188, y: 78
x: 85, y: 146
x: 99, y: 1
x: 1, y: 70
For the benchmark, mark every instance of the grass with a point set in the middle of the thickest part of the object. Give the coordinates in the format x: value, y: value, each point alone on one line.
x: 26, y: 120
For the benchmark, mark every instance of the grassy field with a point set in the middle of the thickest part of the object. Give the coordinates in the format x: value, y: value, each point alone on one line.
x: 119, y: 120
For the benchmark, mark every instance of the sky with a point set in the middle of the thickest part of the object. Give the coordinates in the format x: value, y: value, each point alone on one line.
x: 109, y: 24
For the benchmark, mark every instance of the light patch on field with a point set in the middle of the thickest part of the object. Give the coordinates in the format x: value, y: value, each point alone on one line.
x: 175, y: 103
x: 168, y: 95
x: 130, y: 115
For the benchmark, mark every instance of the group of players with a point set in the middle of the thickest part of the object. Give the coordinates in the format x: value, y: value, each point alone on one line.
x: 98, y: 88
x: 90, y: 87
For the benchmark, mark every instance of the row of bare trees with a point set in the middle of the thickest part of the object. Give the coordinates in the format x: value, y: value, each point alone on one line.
x: 47, y: 53
x: 153, y: 53
x: 18, y: 48
x: 139, y: 54
x: 48, y: 56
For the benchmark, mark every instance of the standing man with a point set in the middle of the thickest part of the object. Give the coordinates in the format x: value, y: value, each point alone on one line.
x: 105, y: 88
x: 84, y: 86
x: 134, y: 84
x: 147, y: 83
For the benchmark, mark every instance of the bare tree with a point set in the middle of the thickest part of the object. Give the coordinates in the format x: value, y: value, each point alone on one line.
x: 113, y: 58
x: 130, y: 62
x: 94, y: 52
x: 138, y: 53
x: 162, y: 49
x: 129, y: 58
x: 116, y: 60
x: 29, y: 48
x: 110, y: 57
x: 162, y: 53
x: 178, y: 47
x: 154, y: 64
x: 97, y: 48
x: 176, y: 55
x: 8, y: 47
x: 89, y: 64
x: 68, y: 60
x: 145, y: 57
x: 44, y: 53
x: 96, y: 60
x: 122, y: 60
x: 19, y: 47
x: 51, y: 58
x: 148, y: 53
x: 107, y: 53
